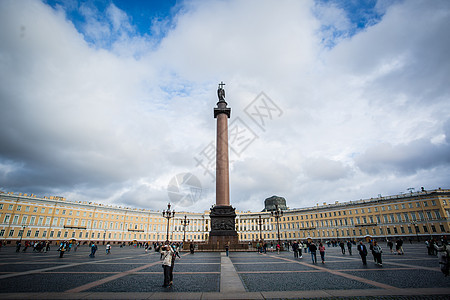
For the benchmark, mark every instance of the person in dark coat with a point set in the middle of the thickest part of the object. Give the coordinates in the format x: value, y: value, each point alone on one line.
x: 362, y: 252
x: 349, y: 247
x: 313, y: 249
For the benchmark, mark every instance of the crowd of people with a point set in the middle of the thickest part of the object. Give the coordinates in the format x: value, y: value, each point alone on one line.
x: 170, y: 251
x: 299, y: 248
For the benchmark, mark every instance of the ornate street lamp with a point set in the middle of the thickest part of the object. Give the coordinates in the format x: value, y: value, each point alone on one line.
x: 416, y: 229
x: 23, y: 231
x: 260, y: 223
x: 168, y: 214
x: 278, y: 213
x: 185, y: 223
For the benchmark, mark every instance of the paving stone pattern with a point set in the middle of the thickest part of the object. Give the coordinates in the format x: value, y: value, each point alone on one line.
x: 132, y: 273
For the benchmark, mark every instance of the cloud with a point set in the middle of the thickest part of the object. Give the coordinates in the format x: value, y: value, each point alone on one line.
x: 93, y: 110
x: 405, y: 159
x: 325, y: 169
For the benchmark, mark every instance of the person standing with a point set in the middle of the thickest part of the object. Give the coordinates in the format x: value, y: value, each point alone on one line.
x: 191, y: 248
x: 93, y: 250
x: 444, y: 258
x: 175, y: 253
x: 322, y: 252
x: 349, y: 247
x: 62, y: 249
x: 167, y: 254
x: 108, y: 248
x: 313, y: 249
x: 278, y: 248
x: 362, y: 252
x: 390, y: 245
x: 342, y: 245
x: 295, y: 249
x: 377, y: 253
x: 227, y: 248
x: 300, y: 248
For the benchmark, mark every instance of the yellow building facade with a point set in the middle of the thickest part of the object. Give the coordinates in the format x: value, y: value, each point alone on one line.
x: 421, y: 215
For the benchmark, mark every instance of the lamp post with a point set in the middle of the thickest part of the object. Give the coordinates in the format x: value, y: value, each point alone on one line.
x: 168, y: 214
x: 21, y: 236
x: 185, y: 223
x: 415, y: 229
x: 260, y: 223
x: 104, y: 236
x: 278, y: 213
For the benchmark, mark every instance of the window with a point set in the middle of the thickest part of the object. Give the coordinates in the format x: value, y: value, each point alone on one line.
x: 42, y: 210
x: 433, y: 202
x: 413, y: 216
x: 392, y: 218
x: 383, y: 208
x: 395, y: 230
x: 429, y: 215
x: 36, y: 234
x: 2, y: 232
x: 19, y: 207
x: 433, y: 228
x: 376, y: 209
x: 396, y: 206
x: 6, y: 220
x: 28, y: 233
x: 64, y: 212
x: 10, y: 207
x: 1, y: 205
x: 421, y: 217
x: 417, y: 204
x: 15, y: 219
x: 11, y: 232
x: 442, y: 227
x: 399, y: 217
x: 410, y: 230
x: 57, y: 211
x: 389, y: 207
x: 425, y: 204
x: 438, y: 214
x: 35, y: 209
x: 405, y: 215
x: 356, y: 211
x: 27, y: 208
x: 402, y: 229
x: 410, y: 205
x: 368, y: 210
x: 362, y: 210
x: 403, y: 205
x: 425, y: 229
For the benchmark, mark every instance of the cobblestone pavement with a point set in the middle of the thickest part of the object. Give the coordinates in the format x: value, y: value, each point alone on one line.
x: 130, y: 273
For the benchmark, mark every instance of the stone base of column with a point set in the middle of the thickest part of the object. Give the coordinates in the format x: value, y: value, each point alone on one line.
x: 223, y: 230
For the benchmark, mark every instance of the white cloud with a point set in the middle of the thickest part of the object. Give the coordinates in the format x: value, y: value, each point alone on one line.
x: 107, y: 115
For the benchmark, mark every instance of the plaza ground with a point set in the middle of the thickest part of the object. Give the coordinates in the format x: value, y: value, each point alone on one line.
x: 130, y: 273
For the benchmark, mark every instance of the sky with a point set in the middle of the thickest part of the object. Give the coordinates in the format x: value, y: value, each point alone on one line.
x: 112, y: 101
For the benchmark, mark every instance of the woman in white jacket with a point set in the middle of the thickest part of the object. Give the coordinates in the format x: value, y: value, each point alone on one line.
x: 167, y: 253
